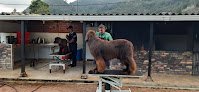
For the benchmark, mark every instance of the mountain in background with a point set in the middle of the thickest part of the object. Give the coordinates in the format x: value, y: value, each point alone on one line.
x: 123, y: 6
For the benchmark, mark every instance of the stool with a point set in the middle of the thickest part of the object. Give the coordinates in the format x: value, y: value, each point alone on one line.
x: 59, y: 64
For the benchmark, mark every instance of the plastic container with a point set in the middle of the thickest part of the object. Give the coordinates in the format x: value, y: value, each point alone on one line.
x: 79, y: 54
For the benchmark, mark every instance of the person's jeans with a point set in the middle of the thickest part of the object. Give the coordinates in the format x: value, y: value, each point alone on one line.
x: 73, y: 49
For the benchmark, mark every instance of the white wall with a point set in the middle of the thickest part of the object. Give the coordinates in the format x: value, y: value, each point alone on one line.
x: 42, y: 52
x: 49, y: 37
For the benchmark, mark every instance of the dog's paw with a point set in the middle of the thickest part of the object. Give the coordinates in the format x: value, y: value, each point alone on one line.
x: 126, y: 73
x: 125, y: 70
x: 91, y: 72
x: 98, y: 72
x: 132, y: 73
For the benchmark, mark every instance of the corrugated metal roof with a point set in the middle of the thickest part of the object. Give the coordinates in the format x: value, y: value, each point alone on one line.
x: 164, y: 13
x: 103, y: 17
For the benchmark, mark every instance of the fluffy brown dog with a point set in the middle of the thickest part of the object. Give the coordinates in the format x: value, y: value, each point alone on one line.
x: 103, y: 50
x: 63, y: 48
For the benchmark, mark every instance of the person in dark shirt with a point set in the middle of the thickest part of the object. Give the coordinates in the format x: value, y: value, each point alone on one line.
x: 72, y: 40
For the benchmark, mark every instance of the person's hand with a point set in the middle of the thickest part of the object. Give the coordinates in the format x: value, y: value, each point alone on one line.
x: 67, y: 36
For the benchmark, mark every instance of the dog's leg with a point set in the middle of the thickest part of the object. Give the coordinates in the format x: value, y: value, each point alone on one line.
x: 132, y: 66
x: 93, y: 71
x: 101, y: 65
x: 124, y: 62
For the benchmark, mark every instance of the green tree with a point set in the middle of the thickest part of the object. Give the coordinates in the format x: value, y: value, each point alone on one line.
x: 39, y: 7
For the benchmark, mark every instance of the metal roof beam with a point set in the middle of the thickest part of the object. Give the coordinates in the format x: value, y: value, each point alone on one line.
x: 102, y: 18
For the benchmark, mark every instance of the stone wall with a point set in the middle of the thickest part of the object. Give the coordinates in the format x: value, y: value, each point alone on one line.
x: 167, y: 62
x: 5, y: 56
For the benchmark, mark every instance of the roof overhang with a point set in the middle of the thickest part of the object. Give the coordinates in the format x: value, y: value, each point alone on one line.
x: 102, y: 18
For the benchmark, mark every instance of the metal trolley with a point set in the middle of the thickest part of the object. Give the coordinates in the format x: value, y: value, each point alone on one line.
x: 58, y: 61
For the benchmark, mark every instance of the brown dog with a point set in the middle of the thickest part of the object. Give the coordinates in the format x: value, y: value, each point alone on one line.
x: 103, y: 50
x: 63, y: 48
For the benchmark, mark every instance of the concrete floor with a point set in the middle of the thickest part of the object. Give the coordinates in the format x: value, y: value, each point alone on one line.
x: 74, y: 74
x: 71, y: 73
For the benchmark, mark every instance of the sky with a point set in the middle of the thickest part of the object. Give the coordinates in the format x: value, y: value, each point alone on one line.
x: 19, y: 8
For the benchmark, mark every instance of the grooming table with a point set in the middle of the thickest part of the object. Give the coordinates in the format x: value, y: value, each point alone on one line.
x: 58, y: 62
x: 114, y: 79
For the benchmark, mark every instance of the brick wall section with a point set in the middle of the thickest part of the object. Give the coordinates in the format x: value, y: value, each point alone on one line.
x: 54, y: 26
x: 141, y: 59
x: 166, y: 62
x: 5, y: 56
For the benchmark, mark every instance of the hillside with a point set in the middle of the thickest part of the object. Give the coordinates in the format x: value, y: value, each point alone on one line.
x: 124, y: 6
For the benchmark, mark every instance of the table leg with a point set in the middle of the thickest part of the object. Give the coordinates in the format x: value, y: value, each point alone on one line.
x: 64, y: 68
x: 50, y: 68
x: 100, y: 84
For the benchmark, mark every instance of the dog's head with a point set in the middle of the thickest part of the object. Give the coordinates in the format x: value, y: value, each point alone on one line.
x: 57, y: 39
x: 90, y: 34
